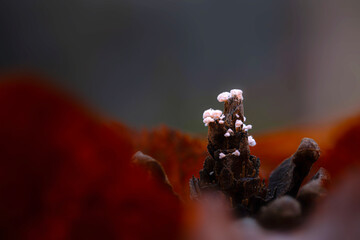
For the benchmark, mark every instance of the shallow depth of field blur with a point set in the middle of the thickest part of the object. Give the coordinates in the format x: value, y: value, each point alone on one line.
x: 156, y: 62
x: 115, y: 70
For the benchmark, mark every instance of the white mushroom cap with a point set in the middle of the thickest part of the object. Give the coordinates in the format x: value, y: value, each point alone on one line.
x: 216, y: 114
x: 236, y: 153
x: 237, y: 115
x: 244, y: 119
x: 238, y: 123
x: 208, y: 120
x: 237, y: 93
x: 207, y: 113
x: 221, y: 121
x: 251, y: 141
x: 221, y: 155
x: 229, y: 131
x: 222, y: 116
x: 247, y: 127
x: 223, y: 97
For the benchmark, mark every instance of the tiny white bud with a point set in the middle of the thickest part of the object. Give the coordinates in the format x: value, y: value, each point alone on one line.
x: 222, y: 116
x: 238, y: 123
x: 221, y: 155
x: 228, y: 132
x: 251, y: 141
x: 221, y: 121
x: 247, y: 127
x: 237, y: 93
x: 236, y: 153
x: 223, y: 97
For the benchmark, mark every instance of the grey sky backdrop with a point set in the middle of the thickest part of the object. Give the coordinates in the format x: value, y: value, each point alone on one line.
x: 159, y: 61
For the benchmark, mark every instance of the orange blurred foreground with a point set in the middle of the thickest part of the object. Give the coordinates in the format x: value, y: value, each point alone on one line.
x: 66, y: 173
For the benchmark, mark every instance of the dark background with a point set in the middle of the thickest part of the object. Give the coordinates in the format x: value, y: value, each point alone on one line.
x: 151, y: 62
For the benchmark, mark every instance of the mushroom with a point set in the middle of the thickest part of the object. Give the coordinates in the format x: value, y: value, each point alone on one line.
x: 251, y: 141
x: 237, y: 93
x: 208, y: 120
x: 223, y: 97
x: 216, y: 114
x: 238, y: 123
x: 208, y: 113
x: 247, y: 127
x: 236, y: 153
x: 228, y: 132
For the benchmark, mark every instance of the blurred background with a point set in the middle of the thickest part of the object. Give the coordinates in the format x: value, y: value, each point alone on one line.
x: 156, y: 62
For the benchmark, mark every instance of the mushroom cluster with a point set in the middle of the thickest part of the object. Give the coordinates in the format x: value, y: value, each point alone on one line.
x: 212, y: 115
x: 217, y: 116
x: 229, y: 166
x: 231, y: 169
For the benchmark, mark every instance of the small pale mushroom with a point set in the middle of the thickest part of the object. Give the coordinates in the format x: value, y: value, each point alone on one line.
x: 238, y: 123
x: 247, y: 127
x: 208, y: 113
x: 221, y: 121
x: 221, y: 156
x: 208, y: 120
x: 236, y: 153
x: 237, y: 93
x: 251, y: 141
x: 216, y: 114
x: 228, y: 133
x: 223, y: 97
